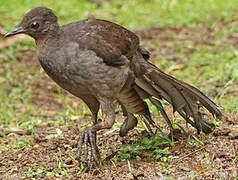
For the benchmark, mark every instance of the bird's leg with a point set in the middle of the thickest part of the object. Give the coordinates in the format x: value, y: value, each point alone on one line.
x: 84, y: 139
x: 89, y: 134
x: 91, y: 153
x: 95, y: 120
x: 88, y: 137
x: 93, y: 105
x: 129, y: 123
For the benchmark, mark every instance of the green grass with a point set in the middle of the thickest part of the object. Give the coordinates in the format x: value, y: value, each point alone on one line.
x: 206, y: 66
x: 156, y: 147
x: 132, y: 14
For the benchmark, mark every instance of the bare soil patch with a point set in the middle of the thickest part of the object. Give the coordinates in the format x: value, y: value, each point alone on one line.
x: 216, y: 159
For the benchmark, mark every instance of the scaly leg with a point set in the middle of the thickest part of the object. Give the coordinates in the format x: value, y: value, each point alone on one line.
x: 93, y: 105
x: 89, y: 135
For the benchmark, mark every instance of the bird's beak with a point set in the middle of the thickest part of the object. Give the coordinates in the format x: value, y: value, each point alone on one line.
x: 15, y: 31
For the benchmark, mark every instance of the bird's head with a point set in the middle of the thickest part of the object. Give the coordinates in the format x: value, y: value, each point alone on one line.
x: 37, y: 23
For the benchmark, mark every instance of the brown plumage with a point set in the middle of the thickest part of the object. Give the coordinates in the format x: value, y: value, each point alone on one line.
x: 102, y: 62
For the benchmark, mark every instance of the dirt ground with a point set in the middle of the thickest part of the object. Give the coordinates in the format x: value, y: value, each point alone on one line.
x: 216, y: 159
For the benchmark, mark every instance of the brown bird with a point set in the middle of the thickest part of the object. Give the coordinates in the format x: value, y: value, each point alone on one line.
x: 101, y: 63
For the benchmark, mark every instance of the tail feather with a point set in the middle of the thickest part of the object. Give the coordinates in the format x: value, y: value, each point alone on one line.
x: 149, y: 88
x: 206, y: 127
x: 190, y: 90
x: 185, y: 99
x: 160, y: 108
x: 177, y: 99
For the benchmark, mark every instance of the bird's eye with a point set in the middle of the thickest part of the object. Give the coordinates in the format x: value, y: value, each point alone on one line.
x: 35, y: 25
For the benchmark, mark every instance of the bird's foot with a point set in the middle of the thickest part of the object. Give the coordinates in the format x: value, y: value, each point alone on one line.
x: 128, y: 125
x: 91, y: 155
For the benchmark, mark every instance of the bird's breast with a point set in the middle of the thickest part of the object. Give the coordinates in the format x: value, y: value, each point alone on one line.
x: 58, y: 72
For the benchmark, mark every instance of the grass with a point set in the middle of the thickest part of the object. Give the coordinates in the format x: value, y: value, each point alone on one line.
x: 206, y: 67
x: 156, y: 147
x: 128, y: 13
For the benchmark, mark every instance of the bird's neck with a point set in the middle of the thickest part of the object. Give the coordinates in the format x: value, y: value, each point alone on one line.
x: 53, y: 33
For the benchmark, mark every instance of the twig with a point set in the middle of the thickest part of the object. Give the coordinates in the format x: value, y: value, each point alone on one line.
x: 18, y: 132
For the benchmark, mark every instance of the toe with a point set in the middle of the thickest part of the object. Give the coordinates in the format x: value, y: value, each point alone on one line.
x: 91, y: 154
x: 80, y: 145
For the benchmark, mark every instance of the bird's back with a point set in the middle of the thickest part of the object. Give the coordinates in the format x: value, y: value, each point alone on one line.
x: 107, y: 39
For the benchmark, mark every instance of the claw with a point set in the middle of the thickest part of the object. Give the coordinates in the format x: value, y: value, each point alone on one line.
x: 88, y: 138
